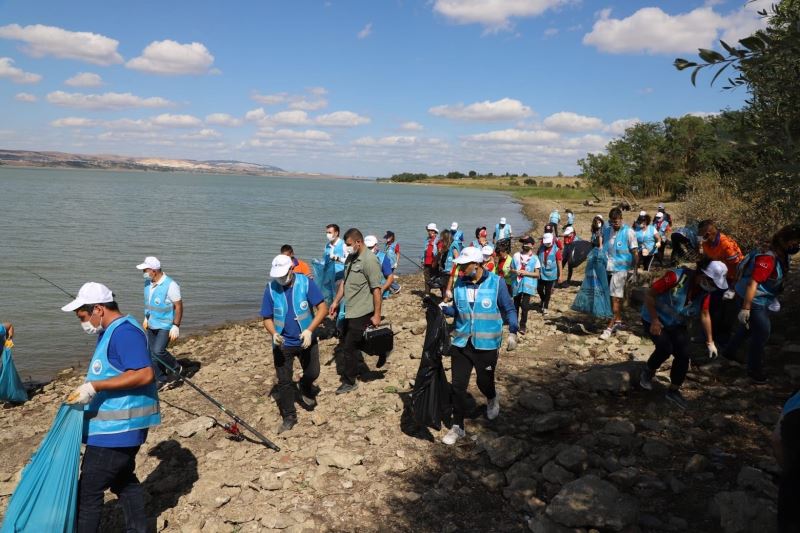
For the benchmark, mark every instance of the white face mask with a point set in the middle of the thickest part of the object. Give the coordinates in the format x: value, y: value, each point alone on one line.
x: 147, y: 276
x: 330, y: 237
x: 348, y: 250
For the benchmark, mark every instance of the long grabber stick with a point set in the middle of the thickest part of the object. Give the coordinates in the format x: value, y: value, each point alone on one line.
x: 411, y: 261
x: 268, y: 443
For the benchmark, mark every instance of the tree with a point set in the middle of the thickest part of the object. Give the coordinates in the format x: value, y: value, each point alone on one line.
x: 472, y: 173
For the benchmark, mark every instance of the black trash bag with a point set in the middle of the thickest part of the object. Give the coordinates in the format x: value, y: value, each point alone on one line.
x: 439, y: 280
x: 430, y: 398
x: 579, y: 252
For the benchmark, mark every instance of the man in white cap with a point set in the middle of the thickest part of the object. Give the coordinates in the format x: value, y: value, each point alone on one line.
x: 163, y: 312
x: 672, y: 301
x: 121, y: 404
x: 430, y: 255
x: 371, y: 242
x: 458, y: 236
x: 501, y: 231
x: 480, y: 301
x: 622, y: 252
x: 292, y: 308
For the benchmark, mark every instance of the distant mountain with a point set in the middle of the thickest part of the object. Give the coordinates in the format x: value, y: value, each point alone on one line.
x: 24, y: 158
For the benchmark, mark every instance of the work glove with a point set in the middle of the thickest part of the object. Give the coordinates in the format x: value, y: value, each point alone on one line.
x: 443, y: 305
x: 729, y: 294
x: 144, y: 324
x: 712, y: 350
x: 174, y: 332
x: 277, y: 339
x: 448, y: 295
x: 305, y: 338
x: 744, y: 318
x: 9, y: 344
x: 82, y: 395
x: 658, y: 245
x: 511, y: 343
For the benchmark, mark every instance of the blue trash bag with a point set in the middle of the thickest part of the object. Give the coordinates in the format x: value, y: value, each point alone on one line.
x: 325, y: 277
x: 46, y: 498
x: 11, y: 388
x: 594, y: 297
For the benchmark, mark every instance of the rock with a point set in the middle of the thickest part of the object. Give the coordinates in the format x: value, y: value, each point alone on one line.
x: 418, y: 328
x: 338, y: 458
x: 195, y: 425
x: 769, y: 416
x: 604, y: 380
x: 697, y: 463
x: 269, y: 481
x: 551, y: 421
x: 619, y: 426
x: 654, y: 449
x: 542, y: 524
x: 573, y: 458
x: 537, y: 400
x: 738, y: 512
x: 521, y: 493
x: 592, y: 502
x: 556, y: 474
x: 493, y: 480
x: 625, y: 477
x: 504, y: 451
x: 752, y: 478
x: 448, y: 481
x: 524, y: 468
x: 676, y: 485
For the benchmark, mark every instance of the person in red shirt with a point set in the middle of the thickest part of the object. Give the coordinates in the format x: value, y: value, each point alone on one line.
x: 569, y: 239
x: 672, y: 301
x: 430, y: 254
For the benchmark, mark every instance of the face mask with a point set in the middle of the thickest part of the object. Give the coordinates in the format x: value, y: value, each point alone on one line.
x: 285, y: 280
x: 91, y: 329
x: 146, y: 276
x: 348, y: 250
x: 329, y: 236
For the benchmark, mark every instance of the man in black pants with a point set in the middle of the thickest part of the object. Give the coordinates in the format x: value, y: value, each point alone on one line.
x: 361, y: 293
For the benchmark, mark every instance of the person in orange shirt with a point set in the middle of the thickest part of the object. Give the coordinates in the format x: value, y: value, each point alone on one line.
x: 300, y: 267
x: 719, y: 247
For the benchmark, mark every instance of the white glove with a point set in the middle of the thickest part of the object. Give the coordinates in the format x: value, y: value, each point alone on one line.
x: 443, y: 305
x: 174, y: 332
x: 712, y: 350
x: 305, y: 338
x: 744, y: 318
x: 448, y: 295
x: 658, y: 245
x: 277, y: 339
x: 729, y: 294
x: 82, y: 395
x: 144, y: 324
x: 511, y: 343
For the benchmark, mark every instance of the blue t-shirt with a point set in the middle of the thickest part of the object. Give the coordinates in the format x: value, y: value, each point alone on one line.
x: 291, y: 328
x: 127, y: 350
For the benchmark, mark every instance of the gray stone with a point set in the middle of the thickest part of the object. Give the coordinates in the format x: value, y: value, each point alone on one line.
x: 521, y: 493
x: 604, y: 380
x: 769, y: 416
x: 592, y: 502
x: 524, y: 468
x: 195, y: 425
x: 619, y: 426
x: 338, y: 458
x: 493, y: 480
x: 739, y: 512
x: 573, y: 458
x: 625, y: 477
x: 504, y: 451
x: 556, y: 474
x: 551, y: 421
x: 654, y: 449
x: 752, y: 478
x: 542, y: 524
x: 537, y: 400
x: 448, y: 481
x: 697, y: 463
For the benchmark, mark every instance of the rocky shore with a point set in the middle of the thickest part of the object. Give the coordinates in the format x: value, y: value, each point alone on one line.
x: 577, y: 447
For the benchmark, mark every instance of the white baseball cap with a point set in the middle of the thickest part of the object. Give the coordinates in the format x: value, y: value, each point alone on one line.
x: 90, y: 293
x: 487, y: 251
x: 642, y: 213
x: 547, y: 238
x: 502, y: 220
x: 433, y: 227
x: 470, y: 254
x: 717, y: 270
x: 370, y: 241
x: 280, y: 266
x: 150, y: 262
x: 454, y: 226
x: 569, y: 230
x: 659, y: 215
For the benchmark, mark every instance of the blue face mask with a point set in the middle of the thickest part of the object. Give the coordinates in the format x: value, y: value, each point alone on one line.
x: 147, y: 276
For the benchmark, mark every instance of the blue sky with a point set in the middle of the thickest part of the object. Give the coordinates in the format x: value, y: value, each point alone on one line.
x: 366, y: 88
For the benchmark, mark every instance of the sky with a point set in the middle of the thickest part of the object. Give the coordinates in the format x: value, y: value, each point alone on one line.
x: 359, y: 87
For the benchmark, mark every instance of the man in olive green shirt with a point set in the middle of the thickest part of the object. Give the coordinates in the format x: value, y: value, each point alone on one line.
x: 361, y: 291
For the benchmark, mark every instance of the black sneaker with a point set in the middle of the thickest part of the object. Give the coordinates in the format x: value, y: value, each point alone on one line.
x: 757, y: 377
x: 307, y: 397
x: 677, y: 398
x: 286, y: 425
x: 344, y: 388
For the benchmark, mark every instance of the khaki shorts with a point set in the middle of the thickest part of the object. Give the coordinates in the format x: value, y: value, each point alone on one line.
x: 616, y: 287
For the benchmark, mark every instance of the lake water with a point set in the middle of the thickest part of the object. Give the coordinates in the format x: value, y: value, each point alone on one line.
x: 214, y: 234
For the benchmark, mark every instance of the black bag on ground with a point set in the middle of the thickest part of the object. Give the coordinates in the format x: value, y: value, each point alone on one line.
x: 431, y: 395
x: 580, y: 251
x: 378, y: 340
x: 439, y: 280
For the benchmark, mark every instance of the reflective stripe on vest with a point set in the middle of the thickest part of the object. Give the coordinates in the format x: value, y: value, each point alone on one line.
x: 118, y: 411
x: 672, y: 307
x: 617, y: 250
x: 549, y: 263
x: 767, y: 291
x: 160, y: 314
x: 484, y: 326
x: 647, y: 239
x: 300, y: 303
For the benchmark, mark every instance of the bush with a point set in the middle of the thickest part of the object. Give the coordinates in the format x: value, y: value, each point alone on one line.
x: 530, y: 181
x: 513, y: 183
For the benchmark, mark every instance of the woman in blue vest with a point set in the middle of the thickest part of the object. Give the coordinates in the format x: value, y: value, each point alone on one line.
x: 525, y: 269
x: 502, y: 231
x: 762, y: 276
x: 392, y: 250
x: 550, y: 264
x: 458, y: 235
x: 593, y: 297
x: 333, y: 259
x: 570, y: 219
x: 786, y: 445
x: 672, y: 301
x: 121, y: 404
x: 649, y: 240
x: 481, y: 300
x: 292, y: 308
x: 555, y: 220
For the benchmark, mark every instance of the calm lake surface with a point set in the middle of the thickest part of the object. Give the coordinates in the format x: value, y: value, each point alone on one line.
x: 214, y: 234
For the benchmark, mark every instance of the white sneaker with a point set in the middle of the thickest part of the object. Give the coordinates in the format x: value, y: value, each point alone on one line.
x: 453, y: 435
x: 493, y: 408
x: 606, y: 334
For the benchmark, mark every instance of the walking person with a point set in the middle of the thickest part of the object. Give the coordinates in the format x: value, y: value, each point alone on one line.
x: 672, y: 301
x: 593, y: 297
x: 719, y: 247
x: 481, y: 301
x: 121, y: 404
x: 649, y: 240
x: 550, y: 260
x: 392, y: 250
x: 503, y: 265
x: 555, y: 220
x: 502, y: 231
x: 570, y: 219
x: 458, y: 235
x: 566, y: 254
x: 763, y: 273
x: 621, y: 249
x: 361, y: 288
x: 430, y: 256
x: 371, y: 242
x: 525, y: 269
x: 163, y: 313
x: 334, y: 258
x: 292, y: 308
x: 663, y: 227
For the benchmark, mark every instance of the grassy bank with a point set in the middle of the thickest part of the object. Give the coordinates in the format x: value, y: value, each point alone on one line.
x: 545, y: 187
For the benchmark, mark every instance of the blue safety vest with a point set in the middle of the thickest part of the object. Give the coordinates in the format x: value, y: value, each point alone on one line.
x: 570, y: 219
x: 159, y: 313
x: 480, y: 320
x: 448, y: 262
x: 118, y: 411
x: 458, y: 239
x: 617, y: 250
x: 300, y: 303
x: 555, y: 218
x: 765, y: 292
x: 646, y: 237
x: 547, y: 257
x: 792, y: 404
x: 673, y: 307
x: 502, y: 233
x: 390, y: 251
x: 526, y: 285
x: 338, y: 251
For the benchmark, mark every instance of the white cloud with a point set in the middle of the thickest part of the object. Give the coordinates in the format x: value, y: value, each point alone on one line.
x: 290, y: 118
x: 366, y: 31
x: 568, y: 121
x: 176, y: 121
x: 345, y: 119
x: 308, y: 105
x: 411, y: 126
x: 516, y: 136
x: 494, y: 15
x: 85, y: 79
x: 318, y: 91
x: 618, y: 127
x: 703, y: 114
x: 394, y: 140
x: 486, y: 111
x: 255, y: 115
x: 15, y: 74
x: 651, y: 30
x: 551, y: 32
x: 105, y: 101
x: 203, y: 134
x: 173, y: 58
x: 43, y: 41
x: 270, y: 99
x: 25, y: 97
x: 294, y: 101
x: 223, y: 119
x: 305, y: 135
x: 74, y: 122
